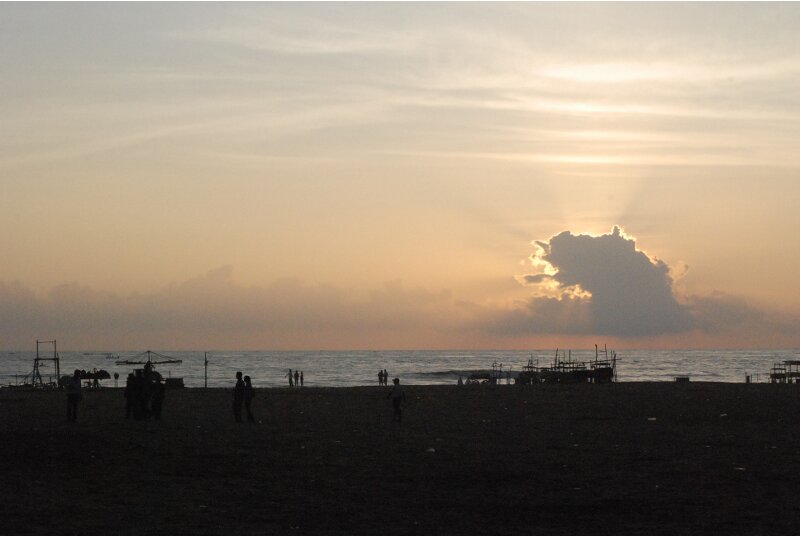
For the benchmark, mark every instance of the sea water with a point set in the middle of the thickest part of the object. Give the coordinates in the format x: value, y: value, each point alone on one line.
x: 360, y: 368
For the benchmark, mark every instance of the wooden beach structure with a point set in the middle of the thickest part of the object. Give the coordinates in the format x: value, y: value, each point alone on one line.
x: 786, y: 372
x: 565, y: 370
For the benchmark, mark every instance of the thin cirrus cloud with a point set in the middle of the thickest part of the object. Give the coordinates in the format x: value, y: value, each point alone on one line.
x: 374, y: 68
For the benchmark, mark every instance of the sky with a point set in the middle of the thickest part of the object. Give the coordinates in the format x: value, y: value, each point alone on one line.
x: 399, y: 175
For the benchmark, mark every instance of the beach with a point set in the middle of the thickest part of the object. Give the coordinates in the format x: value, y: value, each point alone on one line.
x: 628, y: 458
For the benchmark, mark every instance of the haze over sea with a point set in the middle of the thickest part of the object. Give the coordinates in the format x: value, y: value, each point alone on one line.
x: 359, y: 368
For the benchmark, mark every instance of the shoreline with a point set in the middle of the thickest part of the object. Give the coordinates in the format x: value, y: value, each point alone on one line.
x: 628, y: 458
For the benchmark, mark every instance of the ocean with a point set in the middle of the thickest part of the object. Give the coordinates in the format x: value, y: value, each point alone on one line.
x: 360, y: 368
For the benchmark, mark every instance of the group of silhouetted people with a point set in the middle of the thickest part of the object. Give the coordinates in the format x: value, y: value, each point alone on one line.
x: 243, y: 393
x: 296, y: 379
x: 144, y: 394
x: 383, y: 378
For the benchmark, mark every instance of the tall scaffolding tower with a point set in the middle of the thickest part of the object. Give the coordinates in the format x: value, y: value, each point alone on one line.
x: 36, y: 379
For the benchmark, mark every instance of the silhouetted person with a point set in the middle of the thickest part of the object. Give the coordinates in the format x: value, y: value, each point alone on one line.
x: 380, y: 377
x: 291, y: 382
x: 139, y: 397
x: 249, y: 393
x: 149, y: 379
x: 296, y: 378
x: 385, y: 378
x: 73, y: 396
x: 238, y: 397
x: 130, y: 398
x: 460, y: 381
x: 158, y: 398
x: 301, y: 379
x: 398, y: 396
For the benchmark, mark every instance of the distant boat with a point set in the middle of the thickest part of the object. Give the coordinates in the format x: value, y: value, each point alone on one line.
x: 108, y: 355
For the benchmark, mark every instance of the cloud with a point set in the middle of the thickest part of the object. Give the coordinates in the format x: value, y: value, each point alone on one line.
x: 212, y: 311
x: 586, y: 285
x: 722, y: 313
x: 583, y: 286
x: 598, y: 285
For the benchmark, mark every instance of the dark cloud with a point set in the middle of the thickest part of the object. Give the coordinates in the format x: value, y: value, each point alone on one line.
x: 600, y: 285
x: 537, y: 278
x: 724, y: 313
x: 587, y: 285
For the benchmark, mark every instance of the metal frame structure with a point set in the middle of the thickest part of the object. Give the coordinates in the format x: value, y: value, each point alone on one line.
x: 36, y: 375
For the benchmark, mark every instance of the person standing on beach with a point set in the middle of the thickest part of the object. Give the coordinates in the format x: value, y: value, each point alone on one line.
x: 380, y: 377
x: 73, y: 396
x: 129, y: 395
x: 290, y: 379
x: 249, y: 393
x: 296, y: 378
x: 238, y: 397
x: 158, y: 398
x: 142, y: 396
x: 148, y: 379
x: 301, y: 379
x: 398, y: 396
x: 385, y: 378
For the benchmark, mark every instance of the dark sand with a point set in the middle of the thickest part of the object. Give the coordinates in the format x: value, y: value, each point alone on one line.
x: 718, y: 458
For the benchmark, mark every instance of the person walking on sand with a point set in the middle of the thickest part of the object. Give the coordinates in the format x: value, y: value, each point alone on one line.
x: 290, y: 379
x: 301, y: 379
x: 296, y: 378
x: 73, y: 396
x: 385, y: 378
x: 238, y: 397
x: 249, y: 393
x: 380, y: 377
x: 398, y: 396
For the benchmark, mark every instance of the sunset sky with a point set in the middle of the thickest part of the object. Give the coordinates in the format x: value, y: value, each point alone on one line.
x: 399, y: 175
